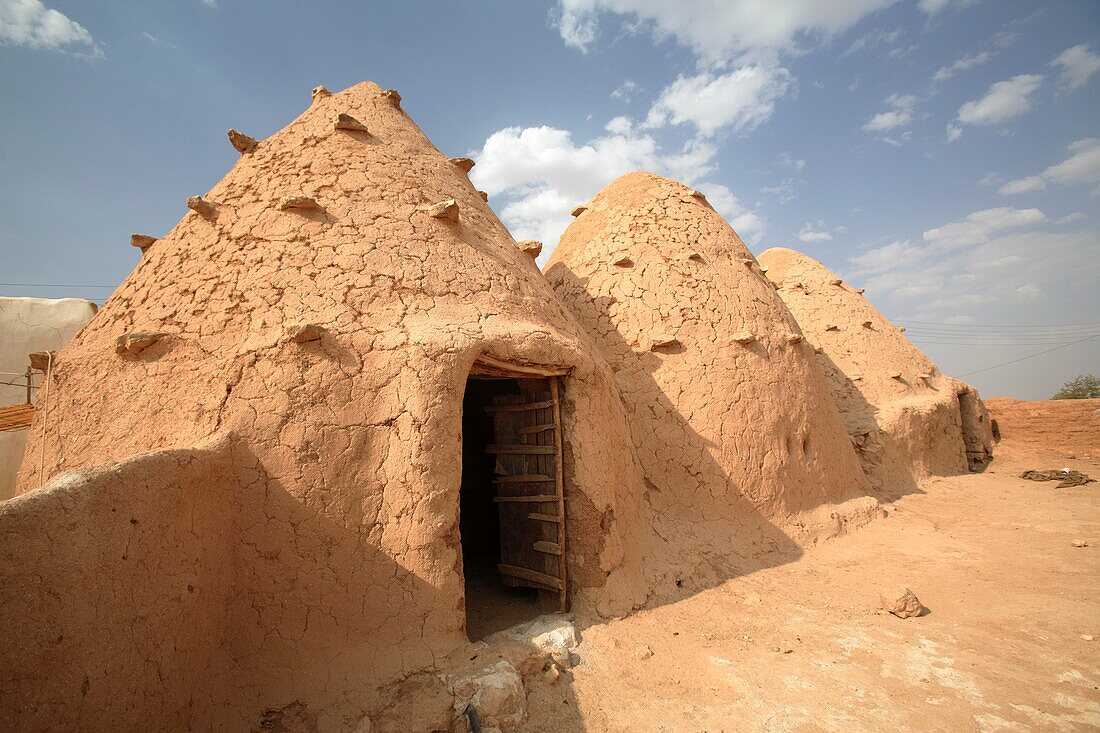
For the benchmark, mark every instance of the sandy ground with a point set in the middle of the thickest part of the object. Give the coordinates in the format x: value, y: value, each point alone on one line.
x: 802, y: 646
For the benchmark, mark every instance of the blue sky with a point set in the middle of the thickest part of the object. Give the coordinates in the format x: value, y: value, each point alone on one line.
x: 943, y: 154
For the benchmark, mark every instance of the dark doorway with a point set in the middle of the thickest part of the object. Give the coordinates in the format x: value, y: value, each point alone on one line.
x: 508, y: 478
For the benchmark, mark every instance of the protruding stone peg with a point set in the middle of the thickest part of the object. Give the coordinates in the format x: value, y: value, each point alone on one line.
x: 857, y: 377
x: 345, y: 121
x: 901, y: 329
x: 484, y: 196
x: 747, y: 262
x: 832, y: 327
x: 243, y: 143
x: 201, y: 206
x: 743, y: 337
x: 926, y: 376
x: 304, y: 203
x: 794, y: 338
x: 662, y: 341
x: 530, y: 247
x: 320, y: 91
x: 699, y: 195
x: 836, y: 281
x: 392, y: 97
x: 142, y: 241
x: 444, y: 210
x: 867, y: 324
x: 135, y: 342
x: 860, y: 291
x: 466, y: 164
x: 896, y: 375
x: 623, y: 261
x: 763, y: 268
x: 578, y: 210
x: 696, y: 257
x: 301, y: 333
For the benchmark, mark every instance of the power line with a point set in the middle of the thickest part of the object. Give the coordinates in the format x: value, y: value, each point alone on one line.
x: 1032, y: 356
x: 978, y: 325
x: 51, y: 285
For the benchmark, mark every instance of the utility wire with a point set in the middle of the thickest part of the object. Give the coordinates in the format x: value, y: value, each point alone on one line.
x: 51, y: 285
x: 978, y: 325
x: 1031, y: 356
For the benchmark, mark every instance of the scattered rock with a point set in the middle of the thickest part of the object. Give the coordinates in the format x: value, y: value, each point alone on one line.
x: 444, y: 210
x: 345, y: 121
x: 305, y: 203
x: 1080, y: 543
x: 364, y: 726
x: 642, y: 651
x: 466, y: 164
x: 243, y: 143
x: 901, y: 602
x: 578, y: 210
x: 496, y: 692
x: 1065, y: 477
x: 201, y: 206
x: 554, y: 635
x: 142, y: 241
x: 132, y: 344
x: 301, y: 333
x: 1088, y: 637
x: 530, y: 247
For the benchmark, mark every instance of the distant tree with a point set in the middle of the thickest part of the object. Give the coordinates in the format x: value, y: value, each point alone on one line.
x: 1085, y: 387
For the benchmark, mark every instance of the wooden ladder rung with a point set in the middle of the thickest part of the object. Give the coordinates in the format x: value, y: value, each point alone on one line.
x: 521, y: 408
x: 521, y: 449
x: 531, y: 575
x: 537, y: 429
x: 544, y: 517
x: 550, y: 548
x: 535, y: 498
x: 523, y: 478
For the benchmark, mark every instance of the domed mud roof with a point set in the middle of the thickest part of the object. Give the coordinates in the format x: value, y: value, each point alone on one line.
x: 728, y: 410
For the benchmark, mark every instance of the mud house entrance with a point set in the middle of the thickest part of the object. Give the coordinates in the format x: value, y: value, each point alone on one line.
x: 511, y: 503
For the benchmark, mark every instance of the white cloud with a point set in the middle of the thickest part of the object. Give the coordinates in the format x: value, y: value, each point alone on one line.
x: 990, y: 178
x: 1078, y: 65
x: 966, y: 62
x: 542, y: 173
x: 954, y: 132
x: 1004, y: 101
x: 1008, y: 269
x: 877, y: 37
x: 791, y: 162
x: 785, y: 191
x: 809, y: 234
x: 31, y: 24
x: 932, y: 7
x: 741, y: 99
x: 626, y: 90
x: 1022, y: 185
x: 1082, y: 166
x: 900, y: 116
x: 719, y: 31
x: 979, y: 227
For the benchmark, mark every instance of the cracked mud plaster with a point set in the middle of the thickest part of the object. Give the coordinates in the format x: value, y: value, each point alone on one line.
x: 906, y: 419
x: 733, y: 423
x: 332, y: 467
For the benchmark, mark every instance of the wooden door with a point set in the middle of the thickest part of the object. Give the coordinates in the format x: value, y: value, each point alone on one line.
x: 529, y: 487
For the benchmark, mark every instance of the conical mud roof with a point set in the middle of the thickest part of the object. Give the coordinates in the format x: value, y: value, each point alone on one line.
x: 900, y: 409
x: 729, y: 413
x: 263, y: 434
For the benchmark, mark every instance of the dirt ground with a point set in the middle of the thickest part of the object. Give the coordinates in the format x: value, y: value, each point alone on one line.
x: 802, y: 646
